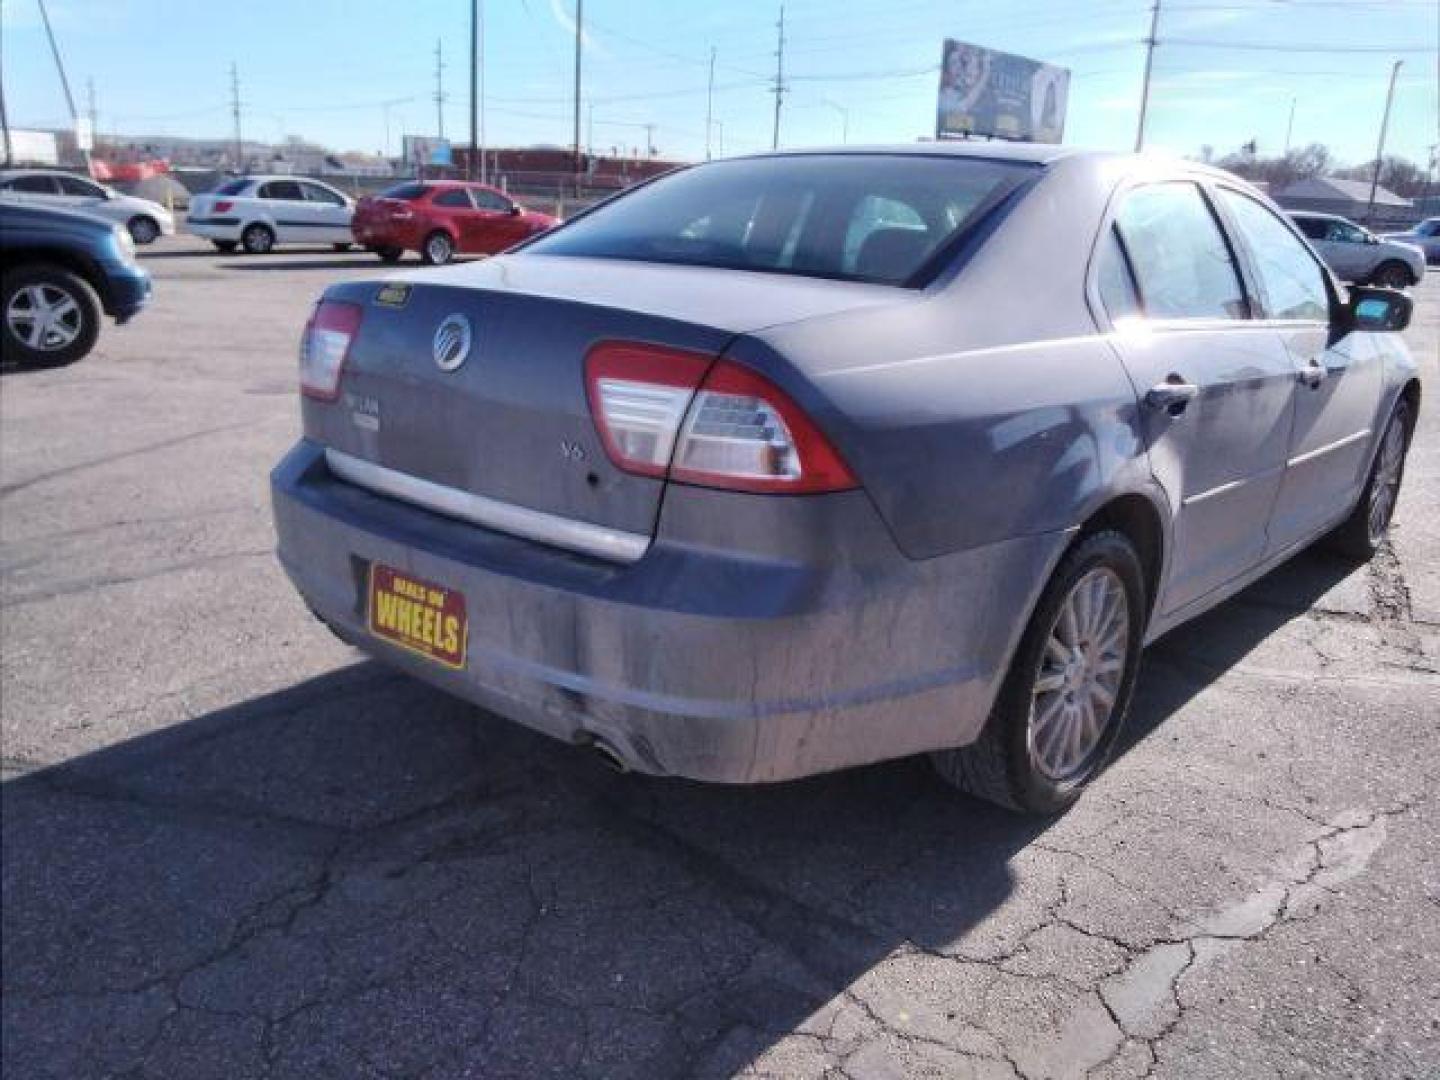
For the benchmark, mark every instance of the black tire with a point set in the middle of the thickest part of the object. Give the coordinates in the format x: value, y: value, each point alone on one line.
x: 438, y: 249
x: 1001, y: 766
x: 1360, y: 536
x: 257, y: 239
x: 225, y: 246
x: 1392, y: 275
x: 341, y: 247
x: 389, y: 254
x: 57, y: 284
x: 143, y: 230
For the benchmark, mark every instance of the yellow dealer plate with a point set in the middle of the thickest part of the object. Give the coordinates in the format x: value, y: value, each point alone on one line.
x: 417, y: 615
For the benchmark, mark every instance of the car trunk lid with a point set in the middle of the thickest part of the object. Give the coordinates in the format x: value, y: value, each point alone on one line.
x: 511, y: 421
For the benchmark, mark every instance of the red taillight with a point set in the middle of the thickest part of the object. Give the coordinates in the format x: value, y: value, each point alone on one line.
x: 223, y: 205
x: 698, y: 420
x: 324, y: 347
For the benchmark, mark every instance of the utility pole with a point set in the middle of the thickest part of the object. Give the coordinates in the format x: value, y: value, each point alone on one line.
x: 439, y: 90
x: 590, y: 128
x: 844, y: 119
x: 474, y: 88
x: 710, y: 103
x: 779, y: 79
x: 64, y: 82
x: 235, y: 115
x: 649, y: 140
x: 1380, y: 147
x: 483, y: 170
x: 1149, y: 64
x: 1290, y: 126
x: 579, y: 34
x: 93, y: 110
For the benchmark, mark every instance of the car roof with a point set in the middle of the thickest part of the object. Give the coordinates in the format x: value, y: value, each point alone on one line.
x: 11, y: 173
x: 1318, y: 215
x: 993, y: 150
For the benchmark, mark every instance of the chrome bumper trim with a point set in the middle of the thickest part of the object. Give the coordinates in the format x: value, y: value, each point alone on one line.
x: 562, y: 532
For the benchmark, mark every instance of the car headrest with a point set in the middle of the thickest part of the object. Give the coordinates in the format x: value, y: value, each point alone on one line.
x: 892, y: 254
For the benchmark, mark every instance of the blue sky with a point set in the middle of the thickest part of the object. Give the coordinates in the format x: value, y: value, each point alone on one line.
x: 336, y: 71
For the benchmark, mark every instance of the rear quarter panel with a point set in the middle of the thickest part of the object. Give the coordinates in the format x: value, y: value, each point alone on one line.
x: 988, y: 406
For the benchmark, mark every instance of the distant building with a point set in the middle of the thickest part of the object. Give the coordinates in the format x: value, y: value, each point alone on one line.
x: 546, y: 168
x: 1348, y: 198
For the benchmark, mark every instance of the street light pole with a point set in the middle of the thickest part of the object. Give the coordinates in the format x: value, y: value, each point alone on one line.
x: 710, y: 103
x: 1380, y: 147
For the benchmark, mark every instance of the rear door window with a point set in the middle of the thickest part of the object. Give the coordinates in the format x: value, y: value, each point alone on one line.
x: 288, y: 190
x: 73, y: 185
x: 35, y: 185
x: 234, y: 187
x: 1182, y: 264
x: 1313, y: 228
x: 455, y: 197
x: 1115, y: 281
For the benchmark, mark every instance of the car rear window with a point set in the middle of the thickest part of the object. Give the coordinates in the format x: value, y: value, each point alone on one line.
x: 234, y: 187
x: 405, y: 191
x: 855, y: 217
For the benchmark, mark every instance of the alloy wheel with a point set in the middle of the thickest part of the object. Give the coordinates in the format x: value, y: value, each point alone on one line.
x: 1078, y: 680
x: 1385, y: 485
x: 44, y: 317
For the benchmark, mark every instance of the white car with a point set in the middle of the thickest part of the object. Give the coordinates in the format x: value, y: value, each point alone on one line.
x: 144, y: 219
x: 1425, y: 236
x: 258, y: 212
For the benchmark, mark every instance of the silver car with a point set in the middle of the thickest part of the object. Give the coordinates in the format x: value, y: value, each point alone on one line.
x: 146, y: 221
x: 1425, y: 236
x: 789, y: 463
x: 1358, y: 255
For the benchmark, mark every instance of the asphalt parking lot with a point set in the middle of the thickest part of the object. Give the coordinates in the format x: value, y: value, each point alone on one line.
x: 235, y: 848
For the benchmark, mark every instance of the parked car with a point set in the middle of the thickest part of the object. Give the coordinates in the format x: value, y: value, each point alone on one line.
x: 790, y: 463
x: 1356, y: 254
x: 62, y: 269
x: 146, y: 221
x: 258, y: 212
x: 1425, y: 236
x: 441, y: 219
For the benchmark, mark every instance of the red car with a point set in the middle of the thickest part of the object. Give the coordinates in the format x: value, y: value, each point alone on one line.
x: 443, y: 218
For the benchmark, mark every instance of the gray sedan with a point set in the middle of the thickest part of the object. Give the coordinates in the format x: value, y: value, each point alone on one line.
x: 784, y: 464
x: 1355, y: 254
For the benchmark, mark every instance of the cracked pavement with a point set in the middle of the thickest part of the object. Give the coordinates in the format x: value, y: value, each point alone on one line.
x: 235, y: 848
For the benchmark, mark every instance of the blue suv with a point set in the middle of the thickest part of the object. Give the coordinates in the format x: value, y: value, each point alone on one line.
x: 61, y: 271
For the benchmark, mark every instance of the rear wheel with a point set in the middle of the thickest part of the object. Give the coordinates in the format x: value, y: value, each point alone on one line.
x: 438, y: 249
x: 1362, y: 533
x: 143, y: 230
x: 1391, y: 275
x: 51, y: 316
x: 226, y: 246
x: 257, y: 239
x: 389, y: 254
x: 1063, y: 702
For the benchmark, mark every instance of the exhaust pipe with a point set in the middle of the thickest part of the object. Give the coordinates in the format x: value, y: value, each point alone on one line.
x: 609, y: 755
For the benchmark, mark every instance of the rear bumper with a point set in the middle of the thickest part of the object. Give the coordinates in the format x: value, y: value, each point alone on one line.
x: 376, y: 235
x: 688, y: 662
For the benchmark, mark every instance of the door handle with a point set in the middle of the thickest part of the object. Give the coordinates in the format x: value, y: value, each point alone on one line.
x: 1313, y: 374
x: 1172, y: 396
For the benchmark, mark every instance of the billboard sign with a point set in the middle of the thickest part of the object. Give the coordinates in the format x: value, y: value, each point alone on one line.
x: 421, y: 150
x: 984, y: 92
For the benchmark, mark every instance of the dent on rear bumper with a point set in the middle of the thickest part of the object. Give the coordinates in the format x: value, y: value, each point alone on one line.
x: 694, y: 661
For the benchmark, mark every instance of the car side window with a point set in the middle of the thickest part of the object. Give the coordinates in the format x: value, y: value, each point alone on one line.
x: 454, y: 197
x: 488, y: 200
x: 282, y: 189
x: 1182, y: 265
x: 1313, y: 228
x: 71, y: 185
x: 317, y: 194
x: 1344, y: 233
x: 1292, y: 285
x: 34, y: 185
x: 1114, y: 279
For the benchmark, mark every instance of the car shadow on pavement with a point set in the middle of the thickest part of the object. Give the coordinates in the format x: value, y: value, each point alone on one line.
x: 359, y: 876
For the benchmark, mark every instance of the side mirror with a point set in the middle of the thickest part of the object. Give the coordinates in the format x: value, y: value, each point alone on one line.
x: 515, y: 210
x: 1377, y: 311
